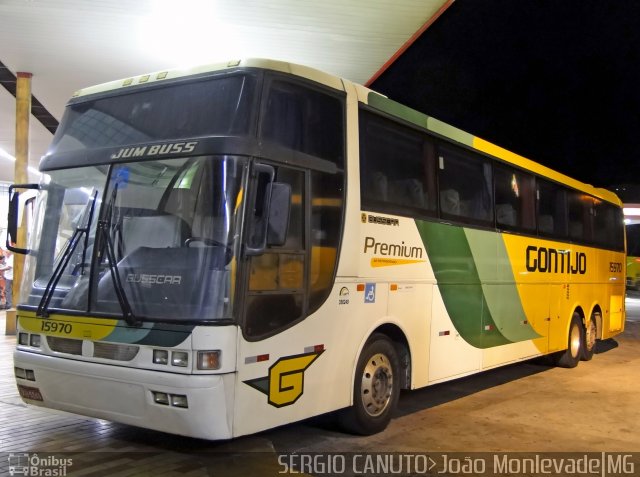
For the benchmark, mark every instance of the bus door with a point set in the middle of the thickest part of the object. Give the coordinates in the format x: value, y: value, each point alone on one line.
x: 270, y: 359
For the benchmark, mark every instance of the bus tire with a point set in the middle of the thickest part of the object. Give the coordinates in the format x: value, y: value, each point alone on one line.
x: 571, y: 356
x: 590, y: 334
x: 376, y: 388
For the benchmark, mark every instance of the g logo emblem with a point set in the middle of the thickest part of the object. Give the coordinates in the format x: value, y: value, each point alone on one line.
x: 285, y: 383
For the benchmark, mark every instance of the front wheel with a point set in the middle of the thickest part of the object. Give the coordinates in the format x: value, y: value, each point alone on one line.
x: 376, y: 388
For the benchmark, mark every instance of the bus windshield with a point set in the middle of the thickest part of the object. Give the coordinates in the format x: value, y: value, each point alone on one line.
x: 209, y: 107
x: 157, y: 239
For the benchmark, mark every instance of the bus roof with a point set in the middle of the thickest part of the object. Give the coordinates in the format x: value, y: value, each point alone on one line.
x: 366, y: 96
x: 274, y: 65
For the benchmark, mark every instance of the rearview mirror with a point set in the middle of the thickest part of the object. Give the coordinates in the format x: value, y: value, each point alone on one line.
x: 20, y: 212
x: 279, y: 208
x: 258, y: 222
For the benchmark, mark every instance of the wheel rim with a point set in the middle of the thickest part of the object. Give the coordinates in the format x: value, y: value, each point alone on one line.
x: 377, y: 385
x: 590, y: 340
x: 574, y: 340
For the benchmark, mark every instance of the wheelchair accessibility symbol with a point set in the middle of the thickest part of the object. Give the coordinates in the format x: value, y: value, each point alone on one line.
x: 370, y: 293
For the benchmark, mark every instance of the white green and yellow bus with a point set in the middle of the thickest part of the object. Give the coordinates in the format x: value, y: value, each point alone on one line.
x: 225, y: 249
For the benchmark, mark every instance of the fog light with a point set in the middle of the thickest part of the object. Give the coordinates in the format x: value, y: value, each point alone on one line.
x: 160, y: 356
x: 179, y: 400
x: 35, y: 341
x: 23, y: 339
x: 179, y: 358
x: 209, y: 359
x: 31, y: 375
x: 20, y: 373
x: 160, y: 398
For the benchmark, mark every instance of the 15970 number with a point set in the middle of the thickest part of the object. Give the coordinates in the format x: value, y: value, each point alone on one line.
x: 55, y: 327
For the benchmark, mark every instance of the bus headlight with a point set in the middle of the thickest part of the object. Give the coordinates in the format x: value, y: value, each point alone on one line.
x: 23, y: 339
x: 35, y: 341
x: 209, y: 359
x: 179, y: 358
x: 160, y: 356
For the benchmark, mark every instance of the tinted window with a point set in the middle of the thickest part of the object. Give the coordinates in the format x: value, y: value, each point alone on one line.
x: 465, y: 186
x: 515, y: 199
x: 326, y: 220
x: 580, y: 216
x: 608, y: 225
x: 305, y: 120
x: 396, y: 167
x: 220, y: 106
x: 552, y: 210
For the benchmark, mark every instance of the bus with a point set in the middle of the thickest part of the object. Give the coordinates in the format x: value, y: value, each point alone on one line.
x: 226, y: 249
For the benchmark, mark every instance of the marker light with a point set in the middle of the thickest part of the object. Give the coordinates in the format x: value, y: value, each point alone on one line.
x: 180, y: 358
x: 160, y: 398
x: 179, y: 400
x: 209, y: 359
x: 31, y: 376
x: 160, y: 356
x: 20, y: 373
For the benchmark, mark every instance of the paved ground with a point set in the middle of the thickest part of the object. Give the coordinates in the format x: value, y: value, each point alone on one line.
x: 529, y: 407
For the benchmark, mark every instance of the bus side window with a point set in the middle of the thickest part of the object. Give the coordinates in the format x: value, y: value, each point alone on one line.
x: 580, y: 217
x: 466, y: 191
x: 304, y: 119
x: 515, y: 199
x: 552, y: 210
x: 326, y: 219
x: 397, y: 172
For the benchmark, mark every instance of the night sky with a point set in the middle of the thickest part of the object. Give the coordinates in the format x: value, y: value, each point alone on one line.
x: 557, y: 81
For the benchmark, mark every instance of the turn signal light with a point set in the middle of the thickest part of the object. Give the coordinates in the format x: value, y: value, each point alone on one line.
x: 209, y: 359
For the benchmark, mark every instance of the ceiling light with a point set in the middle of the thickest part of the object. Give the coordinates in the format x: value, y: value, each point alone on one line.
x: 8, y: 156
x: 186, y: 33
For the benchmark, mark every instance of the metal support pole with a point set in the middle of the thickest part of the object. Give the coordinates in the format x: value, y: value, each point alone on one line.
x: 23, y: 114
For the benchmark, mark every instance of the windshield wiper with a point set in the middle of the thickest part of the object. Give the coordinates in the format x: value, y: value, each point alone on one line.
x: 82, y: 228
x: 104, y: 227
x: 127, y: 312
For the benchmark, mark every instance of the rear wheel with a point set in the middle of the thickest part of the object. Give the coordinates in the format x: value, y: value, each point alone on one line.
x: 571, y: 357
x: 590, y: 334
x: 375, y: 389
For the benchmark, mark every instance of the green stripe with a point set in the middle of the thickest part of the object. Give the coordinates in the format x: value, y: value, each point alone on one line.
x: 477, y: 284
x: 459, y: 284
x: 412, y: 116
x: 498, y: 285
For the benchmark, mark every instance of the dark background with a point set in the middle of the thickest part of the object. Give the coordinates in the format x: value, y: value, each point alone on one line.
x: 556, y: 81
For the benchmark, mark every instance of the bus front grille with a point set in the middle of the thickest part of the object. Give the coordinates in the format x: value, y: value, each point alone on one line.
x: 117, y: 352
x: 113, y: 351
x: 64, y: 345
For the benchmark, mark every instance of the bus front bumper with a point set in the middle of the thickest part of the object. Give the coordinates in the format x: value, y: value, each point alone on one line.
x: 130, y: 395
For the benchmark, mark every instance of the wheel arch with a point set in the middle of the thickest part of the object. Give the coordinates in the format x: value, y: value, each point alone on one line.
x: 398, y: 338
x: 596, y: 312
